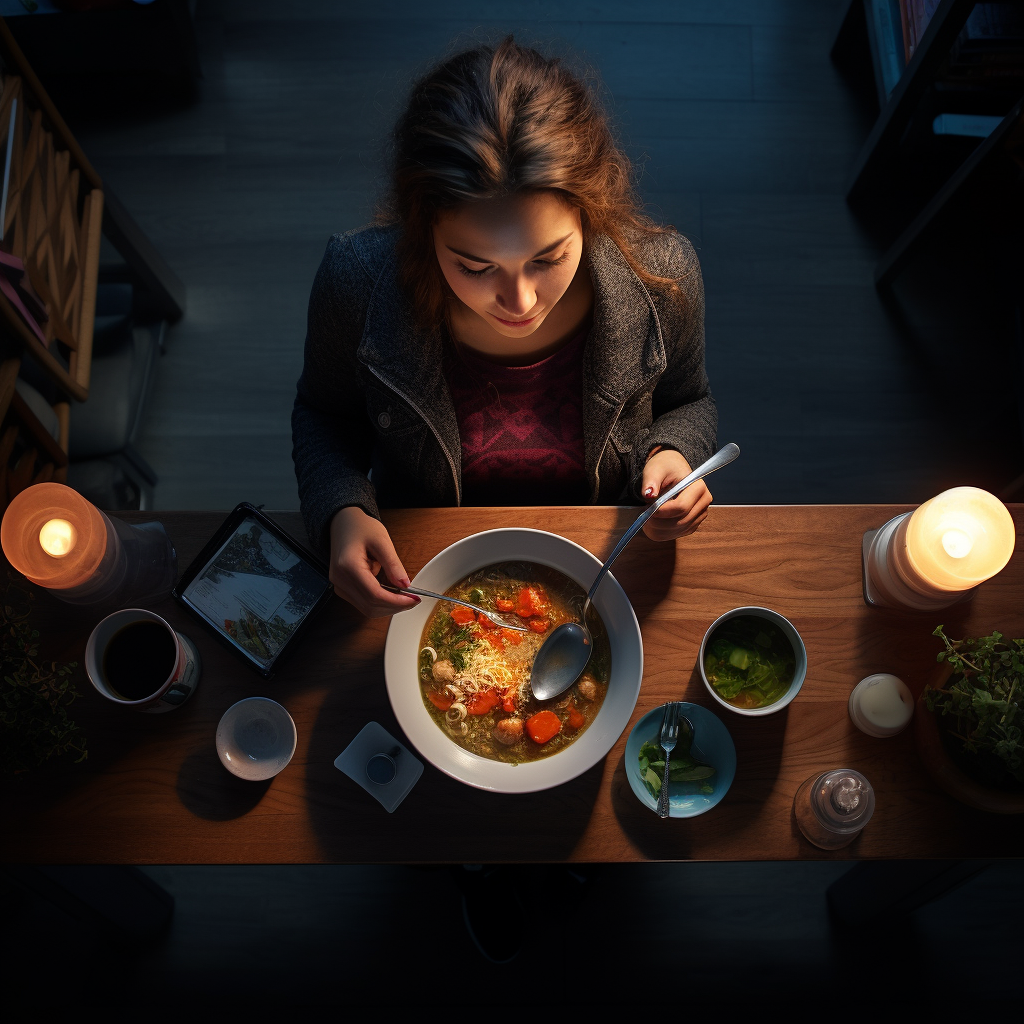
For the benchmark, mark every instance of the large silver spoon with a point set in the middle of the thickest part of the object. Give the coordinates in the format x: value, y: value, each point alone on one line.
x: 564, y: 654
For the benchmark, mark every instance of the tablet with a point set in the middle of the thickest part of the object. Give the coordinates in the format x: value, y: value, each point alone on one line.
x: 255, y: 587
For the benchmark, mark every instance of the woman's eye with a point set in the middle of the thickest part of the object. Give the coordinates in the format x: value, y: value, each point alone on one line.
x: 472, y: 273
x: 554, y: 263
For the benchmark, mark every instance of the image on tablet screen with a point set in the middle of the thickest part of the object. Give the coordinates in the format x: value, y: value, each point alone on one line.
x: 256, y: 591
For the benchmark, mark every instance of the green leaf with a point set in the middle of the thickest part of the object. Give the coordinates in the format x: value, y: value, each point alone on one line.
x: 653, y: 781
x: 694, y: 774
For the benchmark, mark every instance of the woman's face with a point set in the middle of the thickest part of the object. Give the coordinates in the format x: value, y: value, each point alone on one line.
x: 509, y: 261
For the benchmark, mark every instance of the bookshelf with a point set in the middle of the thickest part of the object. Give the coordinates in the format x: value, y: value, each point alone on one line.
x: 1008, y: 137
x: 929, y: 61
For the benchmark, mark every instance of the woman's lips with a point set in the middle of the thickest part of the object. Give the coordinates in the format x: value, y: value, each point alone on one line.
x: 516, y: 323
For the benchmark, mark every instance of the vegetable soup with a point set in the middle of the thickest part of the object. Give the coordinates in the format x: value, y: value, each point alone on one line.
x: 475, y: 675
x: 749, y: 661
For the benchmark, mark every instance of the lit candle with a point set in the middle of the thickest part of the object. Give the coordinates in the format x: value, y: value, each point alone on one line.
x: 55, y: 538
x: 959, y: 538
x: 932, y: 557
x: 881, y: 705
x: 59, y: 540
x: 58, y: 537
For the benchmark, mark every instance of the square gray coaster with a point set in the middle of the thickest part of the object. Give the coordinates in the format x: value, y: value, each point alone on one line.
x: 373, y: 740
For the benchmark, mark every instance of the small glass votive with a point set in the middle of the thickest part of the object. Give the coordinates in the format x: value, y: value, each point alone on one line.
x: 833, y: 807
x: 881, y: 705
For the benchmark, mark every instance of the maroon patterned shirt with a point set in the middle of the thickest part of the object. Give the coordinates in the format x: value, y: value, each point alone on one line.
x: 521, y: 427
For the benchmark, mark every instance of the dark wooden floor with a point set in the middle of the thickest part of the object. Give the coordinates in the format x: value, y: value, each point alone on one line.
x: 758, y: 935
x: 744, y: 133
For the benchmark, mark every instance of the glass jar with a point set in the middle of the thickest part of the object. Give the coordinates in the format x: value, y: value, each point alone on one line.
x: 832, y: 808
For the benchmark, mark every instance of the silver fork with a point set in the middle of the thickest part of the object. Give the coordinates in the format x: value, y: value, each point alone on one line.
x: 496, y: 619
x: 669, y: 735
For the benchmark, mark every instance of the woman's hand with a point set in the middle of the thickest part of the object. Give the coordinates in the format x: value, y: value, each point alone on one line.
x: 686, y: 511
x: 360, y: 548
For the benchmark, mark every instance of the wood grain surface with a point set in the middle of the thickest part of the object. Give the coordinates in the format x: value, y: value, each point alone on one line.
x: 153, y: 791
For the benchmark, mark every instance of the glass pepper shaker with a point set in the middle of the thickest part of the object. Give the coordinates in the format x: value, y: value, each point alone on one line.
x: 832, y: 808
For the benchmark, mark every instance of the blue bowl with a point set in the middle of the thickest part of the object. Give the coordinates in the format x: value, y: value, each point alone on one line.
x: 712, y: 745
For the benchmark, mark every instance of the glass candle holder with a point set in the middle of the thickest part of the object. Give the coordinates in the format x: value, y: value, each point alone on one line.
x: 934, y: 556
x: 60, y: 541
x: 833, y: 807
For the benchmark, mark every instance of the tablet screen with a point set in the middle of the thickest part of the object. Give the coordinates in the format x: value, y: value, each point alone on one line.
x: 256, y: 591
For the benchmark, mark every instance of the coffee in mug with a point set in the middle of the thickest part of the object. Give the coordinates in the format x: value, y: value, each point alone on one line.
x: 135, y: 658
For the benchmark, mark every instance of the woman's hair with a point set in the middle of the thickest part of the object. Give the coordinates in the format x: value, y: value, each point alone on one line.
x: 492, y: 122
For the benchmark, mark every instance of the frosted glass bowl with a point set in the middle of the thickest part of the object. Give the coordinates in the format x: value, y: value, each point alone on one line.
x: 401, y: 654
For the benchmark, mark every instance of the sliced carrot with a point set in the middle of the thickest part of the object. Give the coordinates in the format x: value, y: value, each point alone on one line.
x: 462, y: 615
x: 530, y: 602
x: 441, y: 700
x: 503, y: 605
x: 508, y: 705
x: 576, y: 720
x: 538, y: 625
x: 512, y: 636
x: 543, y: 727
x: 481, y: 703
x: 485, y: 621
x: 497, y: 641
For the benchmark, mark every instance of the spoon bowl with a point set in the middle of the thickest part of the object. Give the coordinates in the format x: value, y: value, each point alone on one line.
x: 564, y: 654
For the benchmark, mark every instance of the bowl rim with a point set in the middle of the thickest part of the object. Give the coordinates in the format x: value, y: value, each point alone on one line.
x: 528, y: 777
x: 799, y: 672
x: 641, y: 792
x: 220, y: 743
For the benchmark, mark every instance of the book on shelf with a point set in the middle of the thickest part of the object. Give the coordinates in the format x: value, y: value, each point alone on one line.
x: 990, y: 45
x: 18, y: 290
x: 888, y: 50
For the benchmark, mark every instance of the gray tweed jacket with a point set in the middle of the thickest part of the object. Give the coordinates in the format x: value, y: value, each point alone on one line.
x: 372, y: 394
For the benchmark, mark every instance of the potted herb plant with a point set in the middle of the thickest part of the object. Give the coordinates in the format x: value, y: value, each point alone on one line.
x: 35, y: 727
x: 970, y: 720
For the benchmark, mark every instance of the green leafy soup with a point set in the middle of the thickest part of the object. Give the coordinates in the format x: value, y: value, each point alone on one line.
x: 749, y: 661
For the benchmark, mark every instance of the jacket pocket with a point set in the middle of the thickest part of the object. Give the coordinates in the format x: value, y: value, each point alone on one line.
x: 388, y: 414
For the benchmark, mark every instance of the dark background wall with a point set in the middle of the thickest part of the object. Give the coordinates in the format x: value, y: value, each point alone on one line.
x: 744, y: 134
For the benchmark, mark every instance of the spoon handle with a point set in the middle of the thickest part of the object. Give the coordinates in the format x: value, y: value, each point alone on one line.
x: 721, y: 458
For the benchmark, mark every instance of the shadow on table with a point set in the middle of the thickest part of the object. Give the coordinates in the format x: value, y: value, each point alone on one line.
x: 210, y: 791
x: 758, y: 756
x: 441, y: 820
x: 901, y: 642
x: 645, y: 570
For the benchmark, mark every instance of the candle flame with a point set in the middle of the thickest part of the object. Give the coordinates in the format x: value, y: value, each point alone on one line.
x: 58, y: 537
x: 957, y: 543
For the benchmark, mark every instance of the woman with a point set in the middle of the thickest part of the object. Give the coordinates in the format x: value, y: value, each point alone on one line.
x: 515, y: 331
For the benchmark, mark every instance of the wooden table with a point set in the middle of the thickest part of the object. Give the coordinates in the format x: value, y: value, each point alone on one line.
x: 153, y: 791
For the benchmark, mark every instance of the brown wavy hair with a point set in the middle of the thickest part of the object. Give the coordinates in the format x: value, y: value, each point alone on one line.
x: 494, y: 121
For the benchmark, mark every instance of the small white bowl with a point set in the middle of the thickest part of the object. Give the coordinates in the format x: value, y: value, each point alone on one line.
x: 255, y: 739
x: 799, y: 652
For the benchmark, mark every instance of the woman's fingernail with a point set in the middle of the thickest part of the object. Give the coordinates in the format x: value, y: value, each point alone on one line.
x: 405, y: 582
x: 648, y: 492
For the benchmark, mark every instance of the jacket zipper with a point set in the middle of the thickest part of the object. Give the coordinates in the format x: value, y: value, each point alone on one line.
x: 608, y: 437
x: 419, y: 412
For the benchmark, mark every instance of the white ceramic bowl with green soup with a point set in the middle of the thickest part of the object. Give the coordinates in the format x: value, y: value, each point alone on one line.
x: 460, y: 686
x: 753, y: 661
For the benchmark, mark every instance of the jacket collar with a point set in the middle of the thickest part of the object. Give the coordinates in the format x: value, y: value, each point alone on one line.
x: 624, y: 351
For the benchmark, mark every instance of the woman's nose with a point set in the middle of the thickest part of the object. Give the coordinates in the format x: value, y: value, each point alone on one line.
x: 517, y: 297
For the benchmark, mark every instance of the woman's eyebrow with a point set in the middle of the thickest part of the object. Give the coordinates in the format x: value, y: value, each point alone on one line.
x: 480, y: 259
